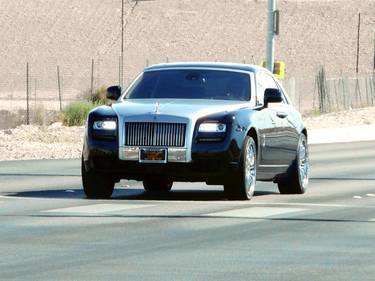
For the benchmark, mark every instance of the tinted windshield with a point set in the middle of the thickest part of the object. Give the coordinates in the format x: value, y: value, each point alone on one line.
x: 191, y: 84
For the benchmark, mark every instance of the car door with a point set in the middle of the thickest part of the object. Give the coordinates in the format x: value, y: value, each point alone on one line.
x: 290, y: 120
x: 278, y: 147
x: 267, y: 124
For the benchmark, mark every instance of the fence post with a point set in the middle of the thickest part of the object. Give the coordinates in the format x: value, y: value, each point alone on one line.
x: 59, y: 86
x: 119, y: 70
x: 322, y: 89
x: 35, y: 92
x: 359, y: 32
x: 27, y: 95
x: 92, y: 77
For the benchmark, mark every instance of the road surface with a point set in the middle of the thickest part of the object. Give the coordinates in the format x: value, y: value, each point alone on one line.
x: 49, y: 231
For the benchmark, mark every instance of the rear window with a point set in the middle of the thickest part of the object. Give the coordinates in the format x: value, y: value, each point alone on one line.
x: 191, y: 84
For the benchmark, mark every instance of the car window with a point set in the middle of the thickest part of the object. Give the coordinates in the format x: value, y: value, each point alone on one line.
x: 286, y: 99
x: 192, y: 84
x: 266, y: 81
x: 269, y: 82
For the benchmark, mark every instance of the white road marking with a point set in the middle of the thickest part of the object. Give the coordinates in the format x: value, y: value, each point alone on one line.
x: 370, y: 195
x: 97, y: 208
x: 357, y: 197
x: 304, y: 204
x: 255, y: 212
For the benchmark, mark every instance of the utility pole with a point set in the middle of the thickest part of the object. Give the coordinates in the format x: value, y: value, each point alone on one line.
x: 271, y: 30
x: 122, y: 45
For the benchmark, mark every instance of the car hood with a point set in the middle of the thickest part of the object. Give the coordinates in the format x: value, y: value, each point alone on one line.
x: 188, y: 108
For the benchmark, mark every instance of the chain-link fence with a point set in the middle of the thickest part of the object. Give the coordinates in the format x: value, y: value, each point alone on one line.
x: 36, y: 96
x: 341, y: 93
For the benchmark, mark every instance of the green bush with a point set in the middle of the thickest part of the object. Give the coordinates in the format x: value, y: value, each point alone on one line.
x: 75, y: 113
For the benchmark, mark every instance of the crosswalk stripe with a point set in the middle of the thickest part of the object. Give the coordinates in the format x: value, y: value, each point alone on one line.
x: 256, y: 212
x: 98, y: 208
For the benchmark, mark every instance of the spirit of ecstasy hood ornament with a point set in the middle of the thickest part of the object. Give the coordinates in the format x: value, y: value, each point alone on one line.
x: 157, y: 105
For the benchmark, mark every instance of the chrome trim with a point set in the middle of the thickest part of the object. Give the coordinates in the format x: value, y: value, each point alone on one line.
x: 129, y: 153
x: 177, y: 155
x: 174, y: 155
x: 155, y: 134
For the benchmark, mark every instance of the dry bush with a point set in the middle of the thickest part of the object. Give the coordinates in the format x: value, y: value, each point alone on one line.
x: 98, y: 96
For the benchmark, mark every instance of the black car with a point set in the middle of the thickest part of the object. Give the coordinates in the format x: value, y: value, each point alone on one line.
x: 223, y: 124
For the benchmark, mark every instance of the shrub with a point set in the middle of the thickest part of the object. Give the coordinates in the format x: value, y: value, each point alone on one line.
x: 39, y: 116
x: 75, y: 113
x: 98, y: 96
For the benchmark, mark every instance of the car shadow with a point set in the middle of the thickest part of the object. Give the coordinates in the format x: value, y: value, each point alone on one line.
x: 134, y: 194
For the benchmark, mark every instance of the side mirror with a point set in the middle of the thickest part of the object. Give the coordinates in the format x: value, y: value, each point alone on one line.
x: 272, y: 96
x: 113, y: 92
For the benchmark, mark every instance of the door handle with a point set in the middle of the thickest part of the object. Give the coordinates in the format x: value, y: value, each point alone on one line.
x: 282, y: 114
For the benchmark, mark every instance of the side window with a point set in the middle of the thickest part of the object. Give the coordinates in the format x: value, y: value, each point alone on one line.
x: 264, y: 81
x: 260, y: 89
x: 269, y: 82
x: 283, y: 93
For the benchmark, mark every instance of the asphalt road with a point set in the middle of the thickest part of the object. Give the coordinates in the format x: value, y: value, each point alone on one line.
x: 49, y: 231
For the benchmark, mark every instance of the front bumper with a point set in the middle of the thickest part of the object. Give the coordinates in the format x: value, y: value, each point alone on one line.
x: 212, y: 165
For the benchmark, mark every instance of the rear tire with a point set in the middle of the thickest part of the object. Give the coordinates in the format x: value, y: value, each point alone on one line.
x: 298, y: 174
x: 96, y: 186
x: 157, y: 184
x: 241, y: 185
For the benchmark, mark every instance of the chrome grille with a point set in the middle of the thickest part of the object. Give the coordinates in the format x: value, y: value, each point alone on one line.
x: 155, y: 134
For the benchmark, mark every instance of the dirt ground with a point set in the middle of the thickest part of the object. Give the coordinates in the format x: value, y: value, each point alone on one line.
x: 59, y: 142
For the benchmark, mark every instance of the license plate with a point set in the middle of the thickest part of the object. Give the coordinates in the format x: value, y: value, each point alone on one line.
x: 153, y: 155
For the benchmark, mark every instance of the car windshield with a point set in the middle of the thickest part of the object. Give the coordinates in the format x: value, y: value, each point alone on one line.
x: 191, y: 84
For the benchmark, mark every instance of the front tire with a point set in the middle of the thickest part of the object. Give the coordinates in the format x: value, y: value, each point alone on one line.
x: 298, y: 175
x: 96, y: 186
x: 241, y: 186
x: 157, y: 184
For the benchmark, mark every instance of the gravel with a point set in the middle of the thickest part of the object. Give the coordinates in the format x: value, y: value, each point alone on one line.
x: 41, y: 142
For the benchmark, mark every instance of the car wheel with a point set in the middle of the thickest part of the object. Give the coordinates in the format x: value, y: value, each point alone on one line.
x: 241, y: 186
x: 157, y: 184
x: 298, y: 175
x: 96, y: 186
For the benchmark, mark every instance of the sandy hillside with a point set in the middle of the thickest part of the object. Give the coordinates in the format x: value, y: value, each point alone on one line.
x: 70, y: 33
x: 59, y: 142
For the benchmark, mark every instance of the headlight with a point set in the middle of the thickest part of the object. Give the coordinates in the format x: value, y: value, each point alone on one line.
x: 212, y: 128
x: 105, y: 125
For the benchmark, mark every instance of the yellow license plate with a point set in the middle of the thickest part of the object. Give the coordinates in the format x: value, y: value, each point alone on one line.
x: 151, y: 155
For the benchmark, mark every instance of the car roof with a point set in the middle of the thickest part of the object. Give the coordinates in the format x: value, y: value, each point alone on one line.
x: 214, y: 65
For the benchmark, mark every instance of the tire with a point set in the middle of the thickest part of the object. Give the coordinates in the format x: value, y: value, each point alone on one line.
x: 157, y: 184
x: 96, y: 186
x: 298, y: 174
x: 241, y: 185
